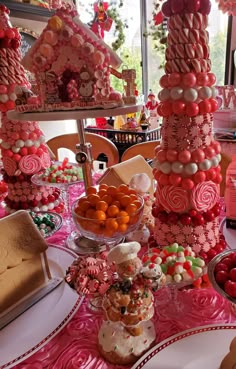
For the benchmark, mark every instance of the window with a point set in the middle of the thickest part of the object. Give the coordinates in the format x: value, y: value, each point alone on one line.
x: 131, y: 54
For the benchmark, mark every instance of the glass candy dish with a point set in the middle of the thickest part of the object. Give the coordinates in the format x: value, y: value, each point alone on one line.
x: 57, y: 176
x: 48, y: 223
x: 94, y: 235
x: 213, y: 269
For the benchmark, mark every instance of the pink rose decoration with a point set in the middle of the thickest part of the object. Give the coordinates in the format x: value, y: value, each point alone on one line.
x: 173, y: 198
x: 204, y: 196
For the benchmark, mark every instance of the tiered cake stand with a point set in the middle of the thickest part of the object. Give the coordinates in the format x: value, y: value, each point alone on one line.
x: 83, y: 154
x: 83, y: 149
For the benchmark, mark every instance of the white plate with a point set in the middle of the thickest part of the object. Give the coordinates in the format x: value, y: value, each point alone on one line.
x: 34, y: 328
x: 229, y: 233
x: 202, y: 347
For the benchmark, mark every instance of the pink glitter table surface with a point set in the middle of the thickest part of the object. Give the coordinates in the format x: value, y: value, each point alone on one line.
x: 75, y: 347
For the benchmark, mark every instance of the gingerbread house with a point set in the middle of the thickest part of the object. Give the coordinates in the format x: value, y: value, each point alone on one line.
x: 71, y: 66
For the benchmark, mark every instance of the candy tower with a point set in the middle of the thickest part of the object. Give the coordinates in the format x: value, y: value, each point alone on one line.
x: 187, y: 204
x: 22, y: 143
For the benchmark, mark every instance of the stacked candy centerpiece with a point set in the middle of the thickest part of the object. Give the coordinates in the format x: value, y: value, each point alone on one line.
x: 22, y: 144
x: 188, y: 169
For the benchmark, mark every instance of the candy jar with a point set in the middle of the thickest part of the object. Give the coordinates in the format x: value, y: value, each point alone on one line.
x: 91, y: 277
x: 61, y: 175
x: 127, y: 331
x: 180, y: 267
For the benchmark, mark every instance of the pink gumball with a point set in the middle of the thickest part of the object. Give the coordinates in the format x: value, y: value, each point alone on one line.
x: 164, y: 179
x: 33, y: 136
x: 3, y: 89
x: 32, y: 150
x: 166, y: 108
x: 157, y: 175
x: 161, y: 156
x: 211, y: 174
x: 15, y: 135
x: 189, y: 80
x: 205, y: 7
x: 214, y: 105
x: 205, y: 107
x: 24, y: 151
x: 10, y: 105
x: 218, y: 178
x: 187, y: 183
x: 202, y: 79
x: 171, y: 155
x: 198, y: 155
x: 16, y: 157
x: 164, y: 81
x: 211, y: 79
x: 191, y: 6
x: 166, y: 9
x: 199, y: 177
x: 178, y: 107
x: 209, y: 152
x: 174, y: 79
x: 217, y: 147
x: 24, y: 135
x: 10, y: 33
x: 9, y: 153
x: 175, y: 179
x: 192, y: 109
x: 177, y: 6
x: 184, y: 156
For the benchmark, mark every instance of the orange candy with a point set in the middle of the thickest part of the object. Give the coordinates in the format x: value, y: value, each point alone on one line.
x: 108, y: 210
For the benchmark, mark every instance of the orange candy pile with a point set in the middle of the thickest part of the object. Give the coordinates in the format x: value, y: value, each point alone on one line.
x: 108, y: 210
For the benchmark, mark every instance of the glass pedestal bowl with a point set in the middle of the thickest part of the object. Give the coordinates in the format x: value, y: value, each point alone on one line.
x: 97, y: 234
x: 228, y: 260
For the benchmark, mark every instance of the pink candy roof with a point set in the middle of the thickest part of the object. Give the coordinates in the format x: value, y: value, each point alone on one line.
x: 73, y: 26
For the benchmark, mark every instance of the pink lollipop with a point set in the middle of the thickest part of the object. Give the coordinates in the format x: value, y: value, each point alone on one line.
x: 30, y: 164
x: 173, y: 198
x: 204, y: 196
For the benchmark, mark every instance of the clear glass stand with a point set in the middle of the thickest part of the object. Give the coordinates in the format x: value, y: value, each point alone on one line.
x: 83, y: 245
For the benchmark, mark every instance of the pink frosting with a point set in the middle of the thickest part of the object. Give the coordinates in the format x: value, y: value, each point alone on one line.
x: 173, y: 198
x: 204, y: 196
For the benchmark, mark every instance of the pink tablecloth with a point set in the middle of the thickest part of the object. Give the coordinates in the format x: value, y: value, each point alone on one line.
x: 75, y: 347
